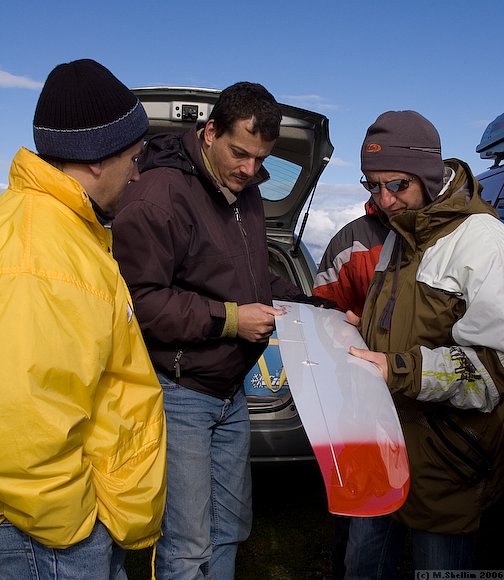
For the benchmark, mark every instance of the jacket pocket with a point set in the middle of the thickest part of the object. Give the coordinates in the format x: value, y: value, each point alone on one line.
x: 457, y: 448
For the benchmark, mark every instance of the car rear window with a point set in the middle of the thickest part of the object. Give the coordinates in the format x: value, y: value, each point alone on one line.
x: 283, y: 176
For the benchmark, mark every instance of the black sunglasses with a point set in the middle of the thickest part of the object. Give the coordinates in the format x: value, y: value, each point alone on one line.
x: 393, y: 186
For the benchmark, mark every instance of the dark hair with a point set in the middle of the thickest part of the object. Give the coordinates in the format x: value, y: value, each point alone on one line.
x: 246, y: 100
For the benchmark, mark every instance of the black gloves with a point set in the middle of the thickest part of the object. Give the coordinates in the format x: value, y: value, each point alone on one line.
x: 314, y: 301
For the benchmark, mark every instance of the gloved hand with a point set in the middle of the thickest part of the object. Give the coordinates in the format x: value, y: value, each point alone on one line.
x: 314, y: 301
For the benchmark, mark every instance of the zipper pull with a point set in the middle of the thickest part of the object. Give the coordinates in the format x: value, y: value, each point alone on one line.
x: 239, y: 220
x: 176, y: 364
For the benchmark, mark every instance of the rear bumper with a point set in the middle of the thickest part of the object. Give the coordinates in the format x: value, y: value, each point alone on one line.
x: 279, y: 440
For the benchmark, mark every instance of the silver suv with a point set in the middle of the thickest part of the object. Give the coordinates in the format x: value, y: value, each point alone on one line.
x: 301, y: 153
x: 492, y: 147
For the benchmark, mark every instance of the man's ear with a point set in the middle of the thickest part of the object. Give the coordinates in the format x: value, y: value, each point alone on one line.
x: 96, y: 168
x: 209, y: 132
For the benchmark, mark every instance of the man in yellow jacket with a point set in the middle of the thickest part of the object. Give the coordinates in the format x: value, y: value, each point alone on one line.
x: 82, y: 432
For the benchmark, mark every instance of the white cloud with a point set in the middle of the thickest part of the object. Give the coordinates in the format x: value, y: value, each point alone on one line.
x: 312, y: 102
x: 10, y: 81
x: 339, y: 195
x: 338, y: 162
x: 332, y: 208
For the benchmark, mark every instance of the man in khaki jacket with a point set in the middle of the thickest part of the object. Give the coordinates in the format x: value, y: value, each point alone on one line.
x: 433, y: 321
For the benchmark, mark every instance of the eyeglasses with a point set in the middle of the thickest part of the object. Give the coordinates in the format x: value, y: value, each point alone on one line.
x: 393, y: 186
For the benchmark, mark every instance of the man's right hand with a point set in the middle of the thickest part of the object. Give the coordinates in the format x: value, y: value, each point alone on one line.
x: 256, y: 321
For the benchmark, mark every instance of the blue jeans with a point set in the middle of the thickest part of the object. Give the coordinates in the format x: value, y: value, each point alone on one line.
x: 209, y: 493
x: 376, y: 546
x: 95, y: 558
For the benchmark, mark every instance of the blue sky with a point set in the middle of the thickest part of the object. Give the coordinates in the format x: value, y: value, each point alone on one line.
x: 348, y: 60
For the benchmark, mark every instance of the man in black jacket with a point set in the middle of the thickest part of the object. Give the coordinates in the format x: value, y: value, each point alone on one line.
x: 191, y: 242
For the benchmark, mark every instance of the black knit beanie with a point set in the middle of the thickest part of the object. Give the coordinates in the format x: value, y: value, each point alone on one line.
x: 405, y: 141
x: 85, y: 114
